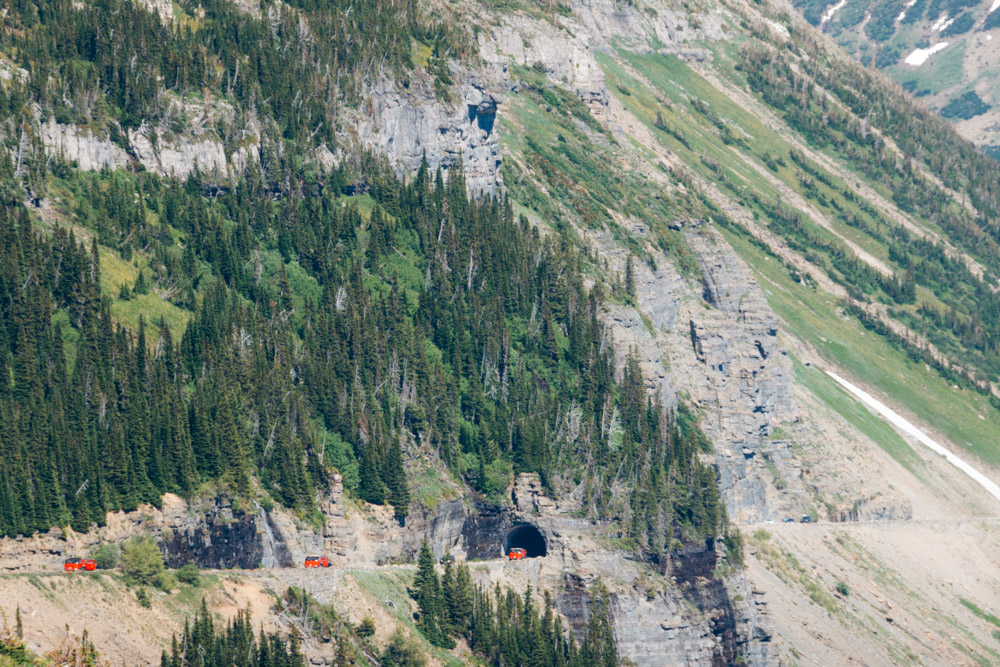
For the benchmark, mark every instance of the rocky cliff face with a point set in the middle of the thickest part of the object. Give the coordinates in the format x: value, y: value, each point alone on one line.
x: 213, y: 536
x: 185, y: 139
x: 745, y: 378
x: 687, y: 617
x: 715, y: 337
x: 210, y: 533
x: 409, y: 124
x: 90, y: 150
x: 405, y: 125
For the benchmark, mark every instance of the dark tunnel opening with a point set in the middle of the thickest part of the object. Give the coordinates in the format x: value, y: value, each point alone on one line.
x: 527, y: 537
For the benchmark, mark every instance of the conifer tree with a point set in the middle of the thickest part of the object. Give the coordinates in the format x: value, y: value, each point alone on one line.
x: 233, y: 451
x: 370, y: 485
x: 395, y: 481
x: 433, y: 621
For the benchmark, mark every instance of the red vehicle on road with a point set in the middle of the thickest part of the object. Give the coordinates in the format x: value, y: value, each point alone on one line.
x: 317, y: 561
x: 74, y: 564
x: 517, y: 554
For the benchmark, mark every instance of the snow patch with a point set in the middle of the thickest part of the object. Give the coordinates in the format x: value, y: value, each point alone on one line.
x: 779, y: 27
x: 937, y: 24
x: 912, y: 431
x: 902, y: 14
x: 920, y: 56
x: 948, y: 23
x: 995, y: 6
x: 833, y: 9
x: 989, y: 37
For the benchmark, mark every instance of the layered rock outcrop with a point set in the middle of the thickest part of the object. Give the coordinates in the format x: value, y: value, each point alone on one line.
x: 410, y: 124
x: 88, y: 148
x: 406, y: 126
x: 210, y: 533
x: 687, y: 618
x: 183, y: 141
x: 737, y: 341
x: 180, y: 157
x: 715, y: 337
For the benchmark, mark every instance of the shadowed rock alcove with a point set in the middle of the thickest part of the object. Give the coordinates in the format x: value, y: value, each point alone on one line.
x: 527, y: 537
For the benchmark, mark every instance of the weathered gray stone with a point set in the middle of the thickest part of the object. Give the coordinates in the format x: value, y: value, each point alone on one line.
x: 91, y: 151
x: 408, y: 124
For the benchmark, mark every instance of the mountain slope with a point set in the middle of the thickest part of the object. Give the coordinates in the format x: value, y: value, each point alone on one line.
x: 705, y: 208
x: 941, y: 52
x: 709, y: 128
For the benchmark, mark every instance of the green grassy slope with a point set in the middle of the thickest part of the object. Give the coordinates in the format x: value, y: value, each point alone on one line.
x: 770, y: 165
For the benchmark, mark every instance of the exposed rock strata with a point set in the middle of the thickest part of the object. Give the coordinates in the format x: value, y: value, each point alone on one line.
x: 180, y: 157
x: 736, y: 371
x: 716, y: 338
x: 162, y: 8
x: 220, y: 539
x: 407, y: 125
x: 687, y: 619
x: 156, y: 147
x: 90, y: 150
x: 651, y: 630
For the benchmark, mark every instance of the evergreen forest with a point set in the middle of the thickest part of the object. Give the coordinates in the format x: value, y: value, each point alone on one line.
x: 314, y: 333
x: 502, y: 627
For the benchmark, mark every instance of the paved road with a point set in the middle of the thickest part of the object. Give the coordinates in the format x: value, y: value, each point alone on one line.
x: 296, y: 575
x: 887, y: 523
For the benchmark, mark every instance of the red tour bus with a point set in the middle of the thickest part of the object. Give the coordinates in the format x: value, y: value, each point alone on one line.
x: 74, y: 564
x: 317, y: 561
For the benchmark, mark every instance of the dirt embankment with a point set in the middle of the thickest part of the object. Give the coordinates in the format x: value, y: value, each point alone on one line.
x: 56, y: 604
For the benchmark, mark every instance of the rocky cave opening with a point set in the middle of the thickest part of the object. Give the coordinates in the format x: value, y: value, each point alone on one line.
x: 527, y: 537
x: 484, y: 118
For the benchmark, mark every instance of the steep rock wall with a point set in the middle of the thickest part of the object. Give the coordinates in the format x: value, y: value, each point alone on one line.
x: 216, y: 538
x: 210, y: 534
x: 686, y: 618
x: 157, y: 147
x: 90, y: 150
x: 408, y: 124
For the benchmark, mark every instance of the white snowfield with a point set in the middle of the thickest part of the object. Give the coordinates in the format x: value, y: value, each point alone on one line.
x: 944, y: 26
x: 938, y: 25
x: 910, y: 429
x: 920, y: 56
x: 833, y: 9
x: 994, y: 6
x: 902, y: 14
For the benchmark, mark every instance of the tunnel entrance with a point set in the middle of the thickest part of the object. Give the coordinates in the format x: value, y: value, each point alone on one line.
x: 527, y: 537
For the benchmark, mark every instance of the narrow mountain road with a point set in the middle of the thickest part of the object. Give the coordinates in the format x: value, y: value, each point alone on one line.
x: 888, y: 524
